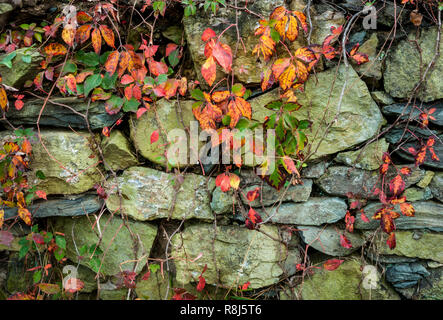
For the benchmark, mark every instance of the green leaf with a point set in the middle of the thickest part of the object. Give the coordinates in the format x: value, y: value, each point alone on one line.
x: 275, y: 35
x: 104, y: 57
x: 7, y: 61
x: 24, y: 26
x: 291, y: 106
x: 131, y: 105
x: 94, y: 263
x: 60, y: 241
x: 38, y: 37
x: 23, y: 251
x: 40, y: 175
x: 27, y: 58
x: 59, y: 253
x: 247, y: 94
x: 303, y: 124
x: 154, y: 267
x: 227, y: 120
x: 70, y: 67
x: 242, y: 124
x: 236, y: 88
x: 90, y: 59
x: 197, y: 94
x: 37, y: 276
x: 274, y: 105
x: 108, y: 81
x: 162, y: 78
x: 91, y: 82
x: 173, y: 58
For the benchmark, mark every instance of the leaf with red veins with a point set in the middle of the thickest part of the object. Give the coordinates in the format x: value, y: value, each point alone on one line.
x: 397, y: 185
x: 332, y: 264
x: 223, y: 54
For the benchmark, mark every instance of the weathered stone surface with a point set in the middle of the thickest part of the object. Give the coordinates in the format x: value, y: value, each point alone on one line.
x: 148, y: 194
x: 117, y: 244
x: 382, y: 98
x: 65, y: 207
x: 423, y: 183
x: 327, y: 240
x: 413, y: 194
x: 428, y: 215
x: 21, y: 71
x: 370, y: 158
x: 315, y: 211
x: 222, y: 201
x: 405, y: 275
x: 269, y: 195
x: 323, y: 22
x: 315, y: 170
x: 194, y: 26
x: 409, y: 140
x: 403, y: 67
x: 350, y: 281
x: 413, y: 113
x: 164, y: 118
x: 340, y: 180
x: 242, y: 255
x: 423, y: 245
x: 58, y: 116
x: 357, y: 107
x: 73, y: 151
x: 117, y: 151
x: 436, y: 186
x: 372, y: 68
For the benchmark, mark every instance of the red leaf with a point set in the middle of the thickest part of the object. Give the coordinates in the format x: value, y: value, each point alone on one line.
x: 208, y: 70
x: 245, y: 286
x: 41, y: 194
x: 397, y: 185
x: 73, y: 285
x: 154, y: 136
x: 170, y: 47
x: 201, y: 283
x: 208, y: 34
x: 332, y: 264
x: 222, y: 53
x: 364, y: 217
x: 344, y: 242
x: 223, y: 181
x: 253, y: 194
x: 108, y: 35
x: 146, y: 275
x: 126, y: 79
x: 157, y: 68
x: 19, y: 104
x: 112, y: 62
x: 140, y: 112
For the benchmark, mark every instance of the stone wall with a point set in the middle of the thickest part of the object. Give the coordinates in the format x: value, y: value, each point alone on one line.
x: 185, y: 223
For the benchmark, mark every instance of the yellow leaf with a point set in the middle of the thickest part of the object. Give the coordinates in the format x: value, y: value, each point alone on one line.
x: 287, y: 77
x: 3, y: 99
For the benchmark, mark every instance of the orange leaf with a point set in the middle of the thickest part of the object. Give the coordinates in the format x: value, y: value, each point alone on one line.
x: 208, y: 34
x: 219, y: 96
x: 236, y: 108
x: 305, y: 54
x: 96, y: 39
x: 82, y: 76
x: 223, y: 181
x: 290, y: 165
x: 157, y: 68
x: 287, y: 78
x: 292, y: 29
x: 253, y: 194
x: 267, y: 79
x: 83, y: 17
x: 71, y: 82
x: 3, y: 99
x: 83, y: 33
x: 397, y: 185
x: 405, y: 171
x: 106, y: 132
x: 279, y: 66
x: 407, y: 209
x: 68, y: 35
x: 2, y: 217
x: 332, y: 264
x: 125, y: 59
x: 391, y: 241
x: 278, y: 13
x: 108, y: 35
x: 73, y: 285
x: 253, y: 216
x: 208, y: 70
x: 112, y: 62
x: 265, y: 46
x: 387, y: 223
x: 25, y: 215
x: 49, y: 288
x: 126, y: 79
x: 183, y: 86
x: 55, y: 49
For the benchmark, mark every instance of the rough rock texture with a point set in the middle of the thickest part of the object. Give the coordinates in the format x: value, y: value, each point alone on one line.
x: 242, y: 255
x: 164, y: 118
x: 347, y: 282
x: 369, y: 158
x: 417, y: 194
x: 403, y: 68
x: 357, y: 107
x: 73, y: 151
x: 117, y: 244
x: 409, y: 140
x: 67, y: 207
x: 428, y: 215
x: 315, y: 170
x: 117, y: 151
x: 21, y: 71
x: 58, y: 116
x: 413, y: 113
x: 327, y: 239
x: 147, y: 194
x: 423, y: 245
x: 371, y: 69
x: 339, y: 180
x: 382, y: 98
x: 315, y: 211
x: 436, y: 186
x: 195, y: 25
x: 405, y: 275
x: 268, y: 195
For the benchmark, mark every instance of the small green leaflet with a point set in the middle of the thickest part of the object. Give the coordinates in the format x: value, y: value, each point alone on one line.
x: 92, y: 82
